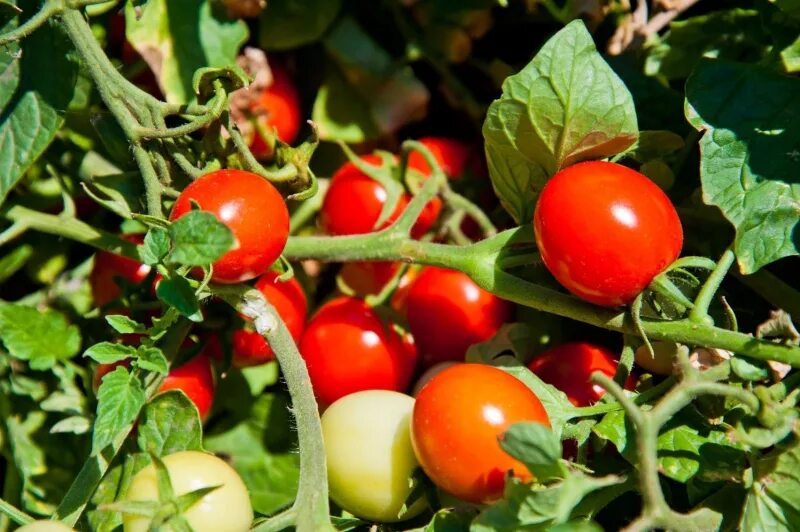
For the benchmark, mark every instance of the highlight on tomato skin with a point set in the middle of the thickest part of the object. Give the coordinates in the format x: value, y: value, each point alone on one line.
x: 457, y: 420
x: 569, y: 368
x: 253, y: 210
x: 448, y: 312
x: 348, y: 348
x: 605, y: 231
x: 289, y: 300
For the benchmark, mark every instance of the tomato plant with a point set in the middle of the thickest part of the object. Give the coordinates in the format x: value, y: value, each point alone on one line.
x: 605, y: 231
x: 368, y: 354
x: 569, y: 368
x: 278, y: 107
x: 369, y: 455
x: 448, y: 312
x: 226, y: 508
x: 252, y: 209
x: 288, y: 298
x: 45, y: 526
x: 451, y: 154
x: 108, y: 268
x: 456, y: 442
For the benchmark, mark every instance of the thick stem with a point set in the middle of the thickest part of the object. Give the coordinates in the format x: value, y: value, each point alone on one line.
x: 702, y: 302
x: 311, y: 509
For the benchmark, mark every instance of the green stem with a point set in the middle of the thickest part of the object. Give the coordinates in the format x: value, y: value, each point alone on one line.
x: 457, y: 201
x: 50, y: 8
x: 699, y: 312
x: 311, y: 509
x: 16, y: 515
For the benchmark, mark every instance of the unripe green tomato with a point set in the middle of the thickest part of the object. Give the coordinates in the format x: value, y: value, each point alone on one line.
x: 45, y: 525
x: 225, y: 509
x: 370, y: 458
x: 663, y: 361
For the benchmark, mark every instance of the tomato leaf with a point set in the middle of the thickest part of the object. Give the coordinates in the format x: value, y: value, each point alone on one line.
x: 177, y: 37
x: 152, y: 359
x: 125, y: 325
x: 109, y: 352
x: 199, y: 239
x: 565, y: 106
x: 36, y: 86
x: 725, y: 34
x: 43, y: 338
x: 119, y: 400
x: 178, y: 293
x: 155, y: 246
x: 170, y: 423
x: 536, y: 446
x: 288, y: 24
x: 774, y: 498
x: 749, y: 155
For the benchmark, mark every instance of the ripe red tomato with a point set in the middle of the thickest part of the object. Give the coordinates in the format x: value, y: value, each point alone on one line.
x: 108, y: 266
x: 195, y: 378
x: 605, y: 231
x: 457, y: 420
x: 347, y: 349
x: 451, y: 154
x: 569, y: 367
x: 369, y: 278
x: 277, y: 107
x: 354, y: 202
x: 448, y: 312
x: 288, y: 298
x: 254, y: 211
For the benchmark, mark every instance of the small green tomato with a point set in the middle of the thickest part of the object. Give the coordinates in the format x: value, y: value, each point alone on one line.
x: 370, y: 457
x: 662, y: 362
x: 225, y: 509
x: 45, y: 525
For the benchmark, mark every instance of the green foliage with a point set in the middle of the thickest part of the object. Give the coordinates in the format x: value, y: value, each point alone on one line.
x: 288, y: 24
x: 169, y: 424
x: 565, y: 106
x: 773, y: 498
x: 43, y: 338
x: 119, y: 400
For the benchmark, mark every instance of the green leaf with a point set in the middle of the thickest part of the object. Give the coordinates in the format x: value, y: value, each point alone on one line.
x: 654, y: 145
x: 565, y: 106
x: 155, y: 246
x: 40, y: 337
x: 177, y: 37
x: 262, y: 451
x: 750, y: 155
x: 178, y: 293
x: 109, y: 352
x: 152, y: 359
x: 447, y: 520
x: 340, y: 113
x: 288, y: 24
x: 735, y: 34
x: 527, y: 507
x: 14, y: 261
x: 36, y: 86
x: 773, y: 501
x: 749, y: 369
x: 537, y: 447
x: 119, y: 400
x: 199, y: 239
x: 125, y: 325
x: 389, y: 92
x: 519, y: 338
x: 170, y: 423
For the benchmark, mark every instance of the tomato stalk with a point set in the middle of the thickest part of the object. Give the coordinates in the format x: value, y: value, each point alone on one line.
x: 16, y: 515
x: 699, y: 312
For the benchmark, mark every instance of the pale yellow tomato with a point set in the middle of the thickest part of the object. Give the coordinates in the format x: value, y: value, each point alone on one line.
x: 225, y: 509
x: 369, y: 453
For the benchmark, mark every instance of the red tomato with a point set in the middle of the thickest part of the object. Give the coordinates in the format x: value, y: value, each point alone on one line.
x: 288, y: 298
x: 451, y: 154
x: 254, y: 211
x: 569, y: 367
x: 458, y: 417
x: 354, y: 202
x: 448, y: 312
x: 369, y: 278
x: 347, y: 349
x: 194, y: 378
x: 108, y: 266
x: 278, y: 107
x: 605, y: 231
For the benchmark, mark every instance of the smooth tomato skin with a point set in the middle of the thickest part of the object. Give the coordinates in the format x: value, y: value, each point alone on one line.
x: 368, y: 278
x: 347, y: 349
x: 369, y: 455
x: 45, y: 525
x: 451, y: 154
x: 605, y: 231
x: 569, y: 368
x: 225, y: 509
x: 354, y: 202
x: 288, y: 298
x: 279, y: 105
x: 195, y: 378
x: 107, y: 266
x: 448, y: 312
x: 458, y: 417
x: 254, y: 211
